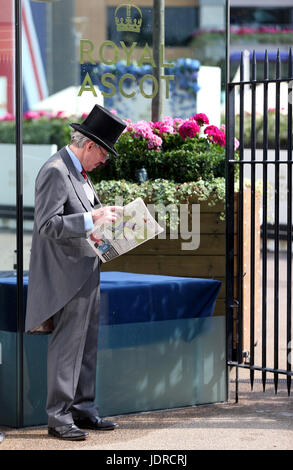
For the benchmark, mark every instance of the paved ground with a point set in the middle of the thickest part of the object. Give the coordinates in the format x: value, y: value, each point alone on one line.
x: 260, y: 421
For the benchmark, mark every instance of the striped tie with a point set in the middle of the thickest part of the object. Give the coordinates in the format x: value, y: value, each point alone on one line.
x: 84, y: 174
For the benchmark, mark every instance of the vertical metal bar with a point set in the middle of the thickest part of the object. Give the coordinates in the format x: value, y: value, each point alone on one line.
x: 276, y: 234
x: 289, y: 218
x: 227, y: 44
x: 158, y: 43
x: 252, y: 231
x: 240, y: 219
x: 230, y: 220
x: 236, y: 384
x: 229, y: 289
x: 264, y: 223
x: 19, y: 203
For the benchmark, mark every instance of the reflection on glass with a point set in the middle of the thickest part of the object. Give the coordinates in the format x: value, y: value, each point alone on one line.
x: 7, y: 140
x: 174, y: 36
x: 76, y: 54
x: 8, y: 313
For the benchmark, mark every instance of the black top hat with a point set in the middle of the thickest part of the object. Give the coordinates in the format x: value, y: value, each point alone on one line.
x: 102, y: 127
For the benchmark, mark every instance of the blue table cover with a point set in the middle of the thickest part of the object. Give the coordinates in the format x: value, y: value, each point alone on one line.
x: 132, y: 298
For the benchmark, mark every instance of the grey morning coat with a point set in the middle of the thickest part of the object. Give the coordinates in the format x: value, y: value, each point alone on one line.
x: 61, y: 259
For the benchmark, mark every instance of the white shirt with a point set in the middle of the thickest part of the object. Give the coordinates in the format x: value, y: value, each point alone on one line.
x: 88, y: 220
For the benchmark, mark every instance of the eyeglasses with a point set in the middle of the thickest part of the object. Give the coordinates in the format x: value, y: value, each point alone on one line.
x: 105, y: 155
x: 104, y: 152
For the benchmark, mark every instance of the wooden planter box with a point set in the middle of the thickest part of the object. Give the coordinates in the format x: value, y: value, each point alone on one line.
x: 165, y: 257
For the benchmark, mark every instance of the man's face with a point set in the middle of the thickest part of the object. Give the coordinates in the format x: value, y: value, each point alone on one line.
x: 94, y: 156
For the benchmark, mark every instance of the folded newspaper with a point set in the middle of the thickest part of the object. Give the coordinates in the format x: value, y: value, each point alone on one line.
x: 135, y: 226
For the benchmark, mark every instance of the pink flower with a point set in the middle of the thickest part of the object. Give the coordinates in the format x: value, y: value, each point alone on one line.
x: 154, y: 142
x: 7, y: 117
x: 156, y: 125
x: 30, y: 115
x: 236, y: 144
x: 189, y: 129
x: 43, y: 113
x: 142, y: 129
x: 60, y: 114
x: 177, y: 123
x: 245, y: 30
x: 113, y: 111
x: 165, y: 129
x: 84, y: 115
x: 268, y: 29
x: 201, y: 119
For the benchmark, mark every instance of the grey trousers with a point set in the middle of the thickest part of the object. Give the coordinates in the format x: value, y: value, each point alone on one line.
x: 72, y: 357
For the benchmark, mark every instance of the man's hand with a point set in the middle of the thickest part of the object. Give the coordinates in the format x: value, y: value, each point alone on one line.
x: 106, y: 215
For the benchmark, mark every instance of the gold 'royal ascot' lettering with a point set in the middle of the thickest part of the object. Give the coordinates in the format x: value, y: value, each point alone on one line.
x: 110, y: 44
x: 87, y: 47
x: 86, y: 50
x: 87, y: 85
x: 121, y: 81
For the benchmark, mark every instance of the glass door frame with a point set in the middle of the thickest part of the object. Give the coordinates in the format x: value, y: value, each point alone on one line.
x: 19, y: 208
x: 19, y: 196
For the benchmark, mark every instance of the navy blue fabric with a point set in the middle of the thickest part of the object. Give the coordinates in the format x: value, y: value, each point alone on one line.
x: 133, y: 298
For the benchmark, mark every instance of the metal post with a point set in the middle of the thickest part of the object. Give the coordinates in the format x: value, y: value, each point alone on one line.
x: 19, y: 205
x: 158, y: 46
x: 229, y: 210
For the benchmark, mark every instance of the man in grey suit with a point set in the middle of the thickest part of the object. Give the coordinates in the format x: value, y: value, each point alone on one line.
x: 64, y: 273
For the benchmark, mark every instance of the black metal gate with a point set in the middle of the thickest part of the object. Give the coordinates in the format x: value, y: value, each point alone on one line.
x: 259, y: 219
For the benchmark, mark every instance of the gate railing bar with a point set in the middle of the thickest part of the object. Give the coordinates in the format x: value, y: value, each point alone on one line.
x: 239, y: 344
x: 259, y: 82
x: 277, y: 221
x: 230, y: 225
x: 267, y: 369
x: 230, y: 222
x: 289, y: 218
x: 261, y: 162
x: 265, y: 233
x: 252, y: 217
x: 275, y: 231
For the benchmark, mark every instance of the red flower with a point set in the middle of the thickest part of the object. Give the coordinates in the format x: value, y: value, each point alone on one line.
x: 189, y: 129
x: 201, y: 119
x: 216, y: 135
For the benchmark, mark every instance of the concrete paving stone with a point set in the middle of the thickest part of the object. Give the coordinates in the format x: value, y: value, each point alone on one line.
x: 259, y: 421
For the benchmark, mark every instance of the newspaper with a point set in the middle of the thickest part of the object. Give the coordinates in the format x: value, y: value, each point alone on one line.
x: 134, y: 227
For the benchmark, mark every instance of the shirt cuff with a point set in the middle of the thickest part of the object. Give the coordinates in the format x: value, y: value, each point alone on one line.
x: 88, y: 221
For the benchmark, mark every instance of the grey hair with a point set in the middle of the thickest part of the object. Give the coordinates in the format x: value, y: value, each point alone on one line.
x: 79, y: 140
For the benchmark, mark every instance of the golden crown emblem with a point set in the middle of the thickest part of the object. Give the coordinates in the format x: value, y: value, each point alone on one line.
x: 127, y: 22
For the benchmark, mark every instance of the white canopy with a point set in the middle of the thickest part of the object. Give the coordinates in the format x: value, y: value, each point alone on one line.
x: 67, y: 100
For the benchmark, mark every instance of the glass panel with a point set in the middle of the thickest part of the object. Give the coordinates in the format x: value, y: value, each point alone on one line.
x: 8, y: 311
x: 77, y: 53
x: 260, y: 29
x: 174, y: 365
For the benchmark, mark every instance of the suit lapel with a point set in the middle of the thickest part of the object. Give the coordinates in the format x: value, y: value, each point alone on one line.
x: 75, y: 180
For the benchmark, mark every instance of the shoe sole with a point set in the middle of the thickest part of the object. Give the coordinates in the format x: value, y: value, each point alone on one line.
x: 98, y: 429
x: 77, y: 438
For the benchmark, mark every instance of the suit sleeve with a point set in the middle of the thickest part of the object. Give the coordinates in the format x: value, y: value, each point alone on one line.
x: 51, y: 193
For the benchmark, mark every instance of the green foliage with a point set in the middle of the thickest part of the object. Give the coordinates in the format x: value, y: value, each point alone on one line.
x: 178, y: 160
x: 38, y: 131
x: 161, y: 191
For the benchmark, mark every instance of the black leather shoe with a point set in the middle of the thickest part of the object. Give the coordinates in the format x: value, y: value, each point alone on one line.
x: 95, y: 422
x: 69, y: 432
